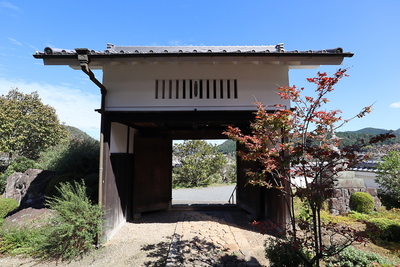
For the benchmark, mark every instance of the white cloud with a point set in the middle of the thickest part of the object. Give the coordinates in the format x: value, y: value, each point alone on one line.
x: 8, y: 5
x: 14, y: 41
x: 395, y: 105
x: 74, y: 107
x: 31, y: 46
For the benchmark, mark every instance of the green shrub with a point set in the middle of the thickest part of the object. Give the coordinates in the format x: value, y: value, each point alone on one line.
x: 3, y: 182
x: 304, y: 211
x: 51, y: 156
x: 70, y: 233
x: 384, y: 229
x: 390, y: 201
x: 21, y: 240
x: 75, y: 228
x: 352, y: 257
x: 91, y: 184
x: 53, y: 185
x: 80, y: 157
x: 7, y: 205
x: 358, y: 216
x: 362, y: 202
x: 21, y: 164
x: 281, y: 252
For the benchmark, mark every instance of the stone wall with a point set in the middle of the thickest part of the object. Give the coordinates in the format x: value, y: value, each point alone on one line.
x: 339, y: 203
x: 345, y: 186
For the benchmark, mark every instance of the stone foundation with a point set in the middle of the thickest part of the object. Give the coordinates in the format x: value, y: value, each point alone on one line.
x: 339, y: 203
x: 345, y: 186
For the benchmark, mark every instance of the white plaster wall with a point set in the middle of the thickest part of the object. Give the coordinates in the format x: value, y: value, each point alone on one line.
x: 368, y: 178
x: 119, y: 140
x: 132, y: 87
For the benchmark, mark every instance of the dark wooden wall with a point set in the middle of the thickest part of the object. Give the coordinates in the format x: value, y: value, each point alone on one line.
x: 111, y: 197
x: 248, y: 196
x: 152, y: 174
x: 260, y: 201
x: 122, y: 164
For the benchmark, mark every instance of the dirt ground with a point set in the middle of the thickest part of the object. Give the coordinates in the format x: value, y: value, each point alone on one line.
x: 147, y: 243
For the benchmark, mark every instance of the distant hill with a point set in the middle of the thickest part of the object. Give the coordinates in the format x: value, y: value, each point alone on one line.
x: 348, y: 138
x: 352, y: 137
x: 227, y: 147
x: 370, y: 130
x: 77, y: 133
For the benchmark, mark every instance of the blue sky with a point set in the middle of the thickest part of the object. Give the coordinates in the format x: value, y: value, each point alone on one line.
x: 370, y: 29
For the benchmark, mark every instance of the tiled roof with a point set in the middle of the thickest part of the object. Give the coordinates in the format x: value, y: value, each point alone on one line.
x: 189, y: 50
x: 367, y: 166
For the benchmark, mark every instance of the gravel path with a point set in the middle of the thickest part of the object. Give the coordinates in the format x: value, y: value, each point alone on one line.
x: 148, y: 241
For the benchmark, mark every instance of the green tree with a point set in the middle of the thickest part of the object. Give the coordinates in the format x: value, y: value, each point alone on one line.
x: 197, y: 163
x: 27, y: 126
x: 388, y: 177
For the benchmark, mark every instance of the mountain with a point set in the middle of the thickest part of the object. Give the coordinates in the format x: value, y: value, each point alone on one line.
x: 227, y: 147
x: 352, y: 137
x: 348, y: 138
x: 77, y: 133
x: 370, y: 130
x: 375, y: 131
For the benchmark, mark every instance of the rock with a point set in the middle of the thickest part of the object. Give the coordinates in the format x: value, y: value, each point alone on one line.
x: 28, y: 188
x: 28, y: 217
x: 372, y: 191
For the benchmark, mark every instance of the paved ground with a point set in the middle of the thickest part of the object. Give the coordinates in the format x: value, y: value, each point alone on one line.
x: 213, y: 194
x: 212, y: 238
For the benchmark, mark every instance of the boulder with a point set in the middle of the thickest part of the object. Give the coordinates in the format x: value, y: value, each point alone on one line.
x: 28, y: 188
x: 28, y: 218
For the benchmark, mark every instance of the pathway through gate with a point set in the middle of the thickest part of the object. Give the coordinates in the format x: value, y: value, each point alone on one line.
x: 205, y: 195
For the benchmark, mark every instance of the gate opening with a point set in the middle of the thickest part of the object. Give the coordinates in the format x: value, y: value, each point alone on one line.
x: 204, y: 173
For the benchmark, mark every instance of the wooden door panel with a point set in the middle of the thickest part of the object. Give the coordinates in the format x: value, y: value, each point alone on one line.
x: 152, y: 174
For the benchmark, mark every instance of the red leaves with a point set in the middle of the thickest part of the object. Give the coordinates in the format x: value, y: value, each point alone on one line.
x: 298, y: 147
x: 381, y: 137
x: 309, y: 99
x: 364, y: 111
x: 299, y: 141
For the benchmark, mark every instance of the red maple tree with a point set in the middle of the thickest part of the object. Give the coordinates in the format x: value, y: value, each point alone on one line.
x: 298, y: 153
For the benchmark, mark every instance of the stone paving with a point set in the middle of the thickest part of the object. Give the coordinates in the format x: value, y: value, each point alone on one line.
x: 209, y: 238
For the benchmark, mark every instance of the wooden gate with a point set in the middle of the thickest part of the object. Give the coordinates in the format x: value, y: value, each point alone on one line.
x: 152, y: 188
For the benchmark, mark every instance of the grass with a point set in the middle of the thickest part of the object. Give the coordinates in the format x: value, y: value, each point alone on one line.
x: 386, y: 249
x: 69, y: 234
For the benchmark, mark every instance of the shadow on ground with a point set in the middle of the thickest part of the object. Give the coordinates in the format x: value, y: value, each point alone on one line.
x: 158, y: 252
x: 241, y: 219
x: 196, y: 252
